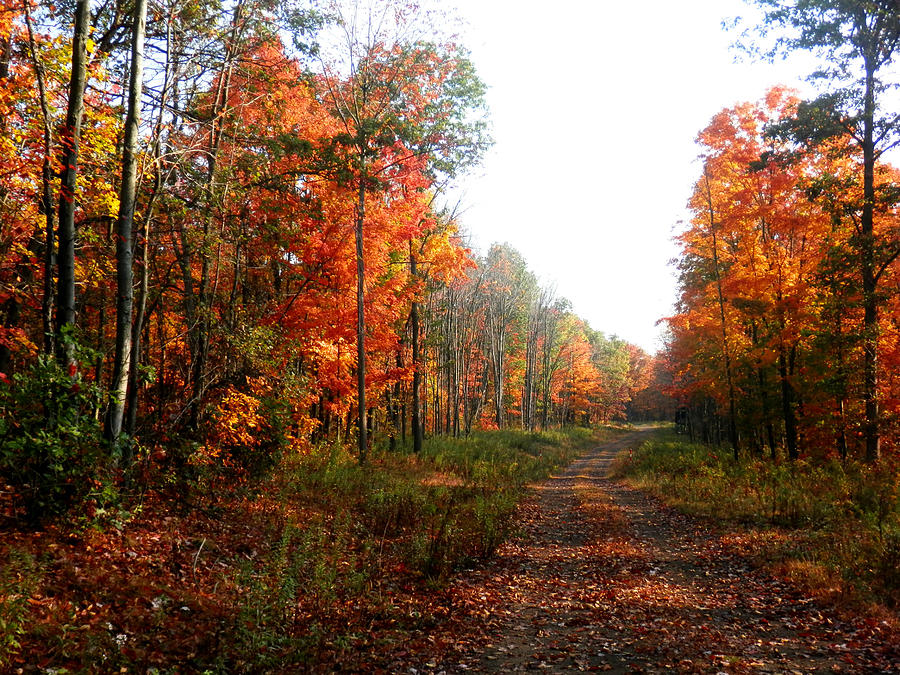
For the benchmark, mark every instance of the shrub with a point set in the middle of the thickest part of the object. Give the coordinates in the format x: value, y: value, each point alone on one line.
x: 20, y: 574
x: 51, y: 452
x: 494, y: 515
x: 245, y: 432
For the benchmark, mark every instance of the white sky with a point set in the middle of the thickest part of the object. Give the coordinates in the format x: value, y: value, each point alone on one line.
x: 595, y: 108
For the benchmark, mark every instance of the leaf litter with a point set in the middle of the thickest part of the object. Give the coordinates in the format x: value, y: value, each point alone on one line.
x: 604, y: 578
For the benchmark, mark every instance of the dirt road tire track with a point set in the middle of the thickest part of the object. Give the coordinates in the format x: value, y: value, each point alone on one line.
x: 604, y: 578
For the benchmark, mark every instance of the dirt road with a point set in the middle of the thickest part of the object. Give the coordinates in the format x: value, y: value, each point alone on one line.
x: 603, y: 578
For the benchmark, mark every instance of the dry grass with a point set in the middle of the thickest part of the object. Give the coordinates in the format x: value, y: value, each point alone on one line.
x: 830, y: 528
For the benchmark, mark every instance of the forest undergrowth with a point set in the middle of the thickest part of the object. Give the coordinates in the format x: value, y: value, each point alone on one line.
x: 830, y: 527
x: 320, y: 563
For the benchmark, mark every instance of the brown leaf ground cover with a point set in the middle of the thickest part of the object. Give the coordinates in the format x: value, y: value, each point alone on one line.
x: 605, y: 578
x: 325, y: 565
x: 600, y: 577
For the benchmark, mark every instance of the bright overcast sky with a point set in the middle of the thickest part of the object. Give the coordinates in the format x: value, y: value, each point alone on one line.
x: 595, y: 108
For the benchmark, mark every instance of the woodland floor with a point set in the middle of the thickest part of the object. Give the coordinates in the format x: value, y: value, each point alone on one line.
x: 605, y: 578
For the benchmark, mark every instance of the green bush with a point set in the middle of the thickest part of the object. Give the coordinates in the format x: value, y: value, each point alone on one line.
x: 51, y: 451
x: 494, y: 515
x: 20, y: 574
x: 393, y: 508
x: 257, y: 460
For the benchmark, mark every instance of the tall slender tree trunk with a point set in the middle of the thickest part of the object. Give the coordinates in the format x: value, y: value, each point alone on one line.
x: 869, y: 278
x: 11, y: 306
x: 417, y: 431
x: 530, y: 359
x: 456, y: 356
x: 5, y: 59
x: 363, y: 441
x: 764, y: 396
x: 143, y: 287
x: 496, y: 317
x: 547, y: 367
x: 70, y: 137
x: 841, y: 433
x: 397, y: 412
x: 726, y: 351
x: 200, y: 327
x: 136, y: 335
x: 762, y: 381
x: 841, y: 398
x: 124, y: 226
x: 787, y: 404
x: 47, y: 203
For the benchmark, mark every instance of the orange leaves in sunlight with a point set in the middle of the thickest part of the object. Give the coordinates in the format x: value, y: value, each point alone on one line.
x: 770, y: 302
x: 244, y: 253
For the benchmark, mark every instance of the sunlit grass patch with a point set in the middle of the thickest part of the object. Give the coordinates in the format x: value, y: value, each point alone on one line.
x: 832, y: 527
x: 375, y: 528
x: 321, y: 562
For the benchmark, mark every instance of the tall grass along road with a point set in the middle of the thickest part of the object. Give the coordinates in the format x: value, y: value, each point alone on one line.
x: 606, y: 578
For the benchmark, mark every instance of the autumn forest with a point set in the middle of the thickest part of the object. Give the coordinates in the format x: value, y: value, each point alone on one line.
x: 262, y: 401
x: 267, y: 264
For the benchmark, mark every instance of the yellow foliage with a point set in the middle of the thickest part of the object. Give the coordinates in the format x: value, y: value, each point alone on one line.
x: 238, y: 417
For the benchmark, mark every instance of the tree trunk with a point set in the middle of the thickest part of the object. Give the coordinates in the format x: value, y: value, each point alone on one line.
x: 11, y: 306
x: 726, y: 352
x: 124, y: 226
x: 143, y: 287
x: 363, y: 441
x: 71, y: 140
x: 199, y: 328
x: 136, y: 339
x: 787, y: 404
x: 47, y: 205
x: 869, y: 279
x: 770, y: 428
x: 496, y: 317
x: 417, y: 432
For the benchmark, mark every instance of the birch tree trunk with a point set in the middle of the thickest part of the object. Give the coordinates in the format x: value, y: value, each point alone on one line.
x: 124, y: 226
